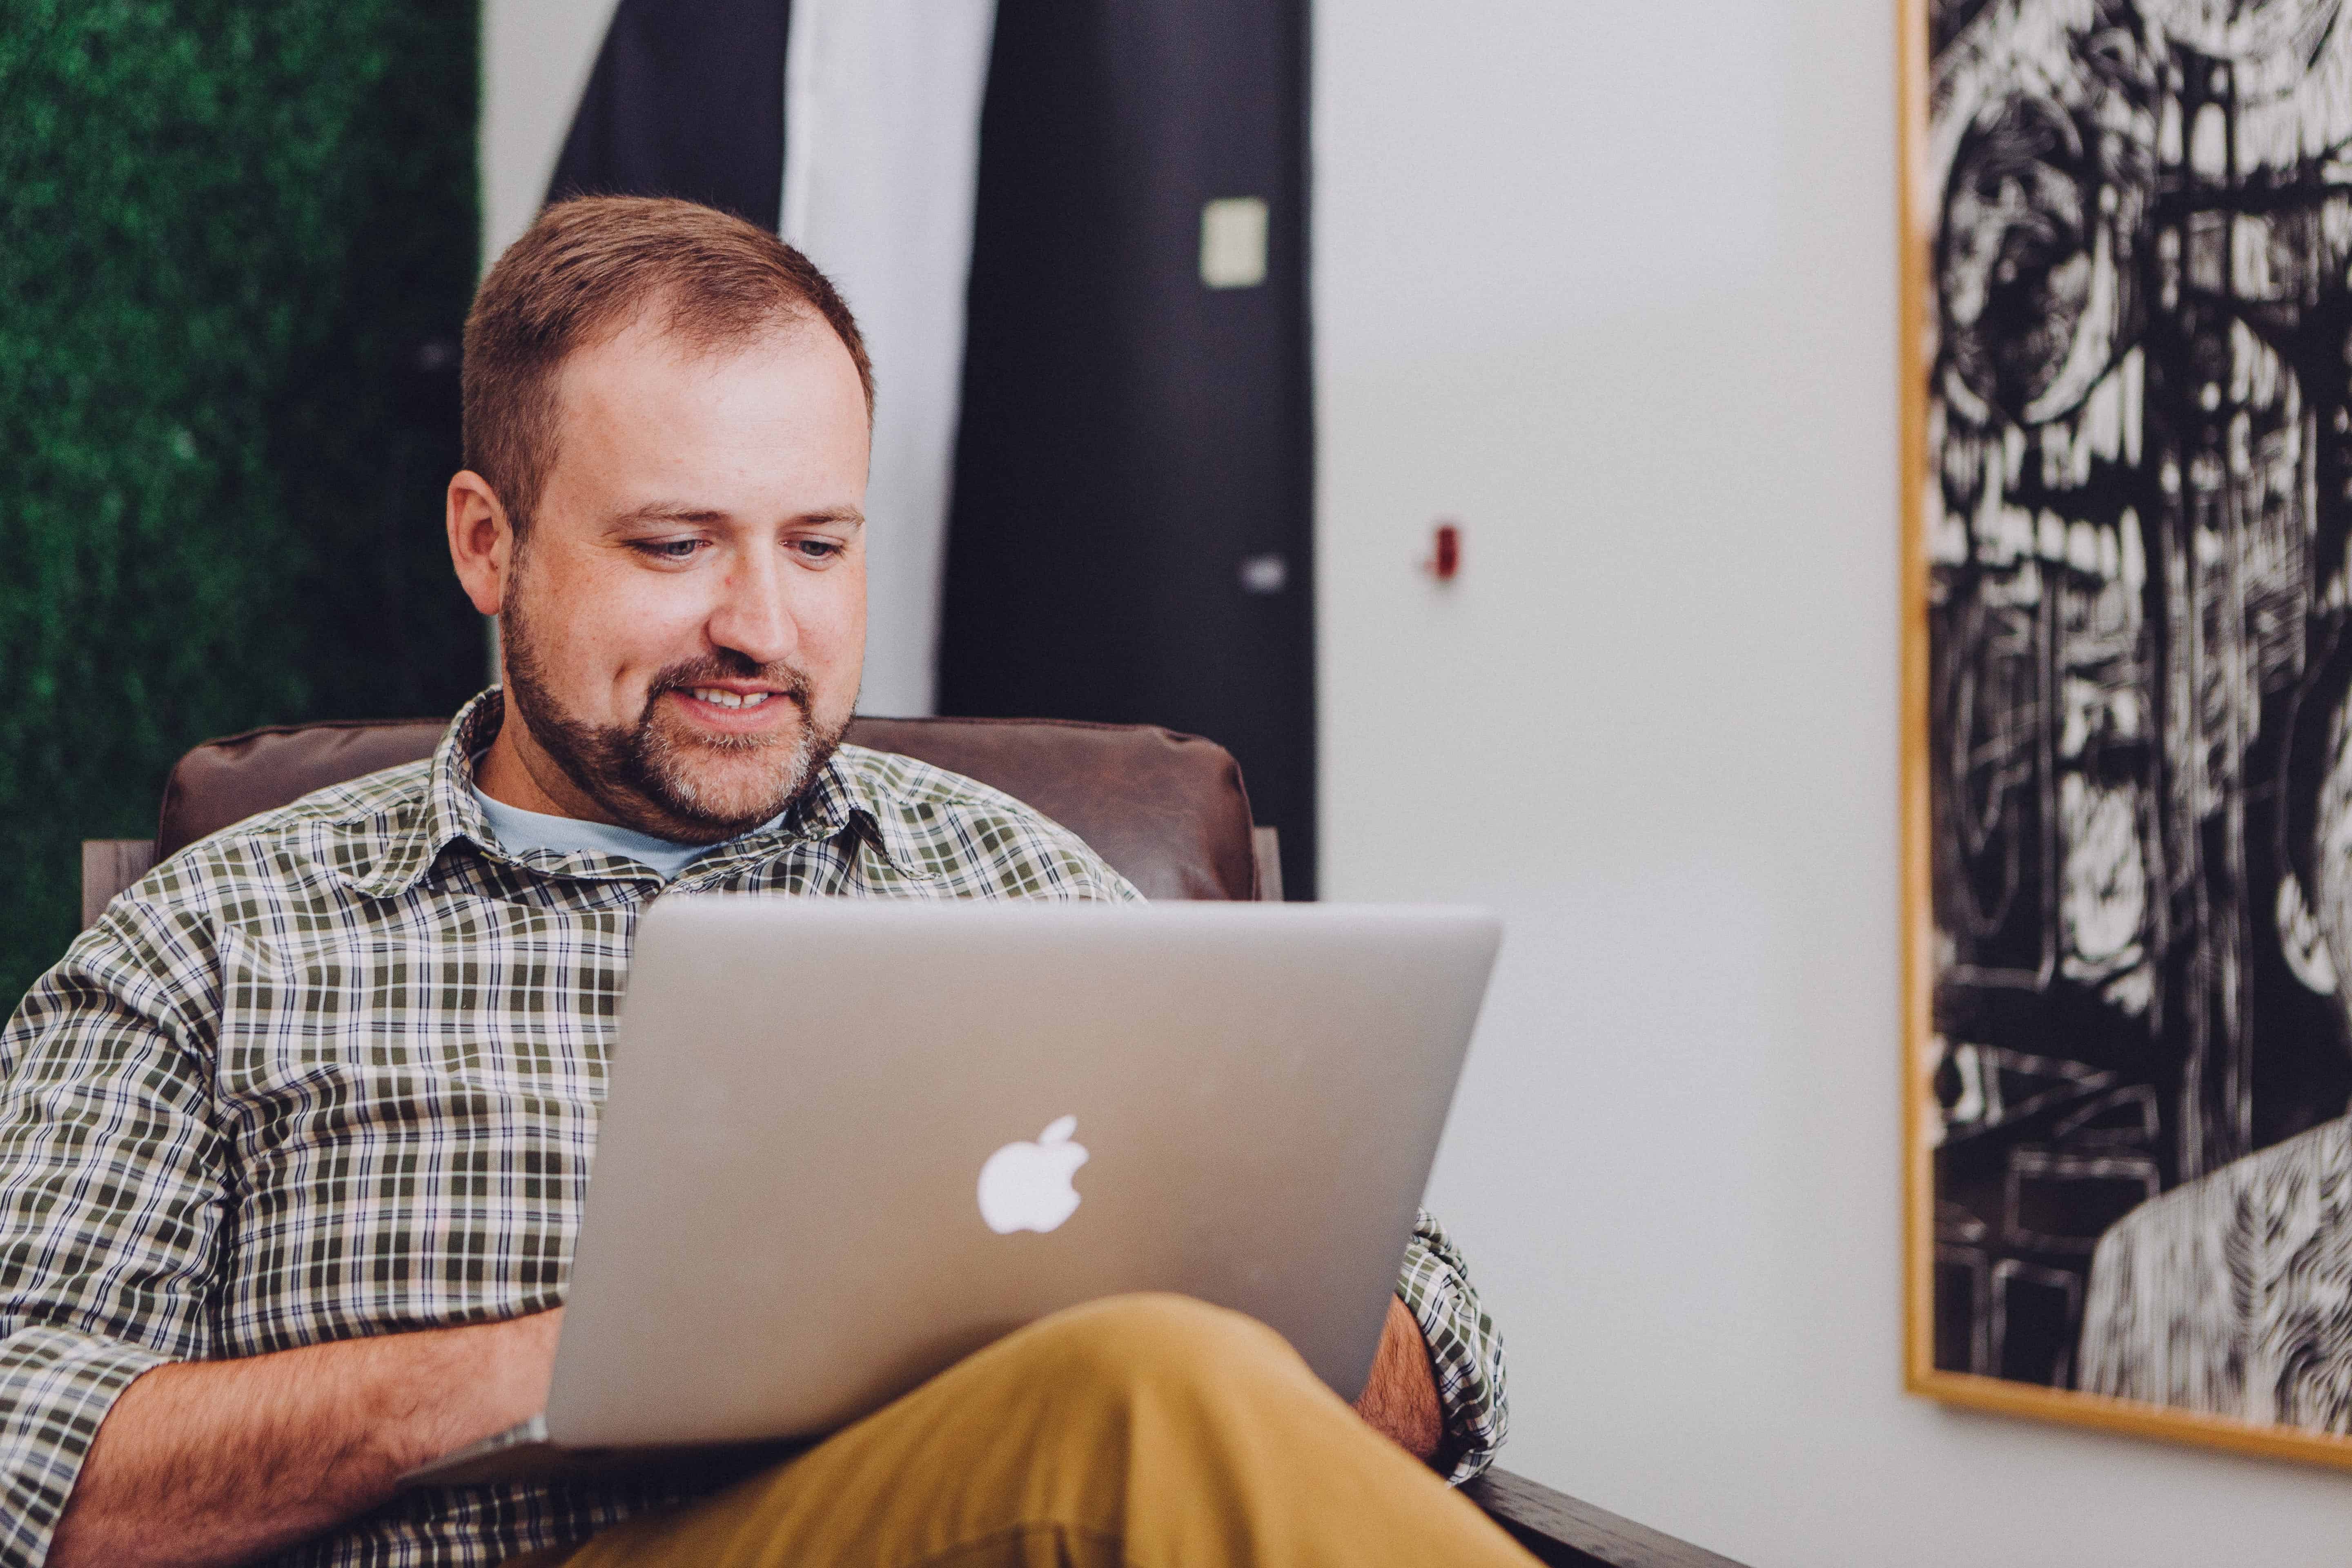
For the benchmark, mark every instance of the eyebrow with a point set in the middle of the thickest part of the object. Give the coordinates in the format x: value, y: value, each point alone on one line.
x: 678, y: 511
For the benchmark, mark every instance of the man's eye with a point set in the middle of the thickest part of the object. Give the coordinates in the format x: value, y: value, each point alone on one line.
x: 669, y: 549
x: 817, y: 548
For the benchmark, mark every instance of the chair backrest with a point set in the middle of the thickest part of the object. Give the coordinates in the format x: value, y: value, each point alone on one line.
x: 1167, y: 810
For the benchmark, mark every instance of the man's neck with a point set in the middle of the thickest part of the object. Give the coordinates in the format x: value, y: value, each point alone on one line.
x: 515, y: 772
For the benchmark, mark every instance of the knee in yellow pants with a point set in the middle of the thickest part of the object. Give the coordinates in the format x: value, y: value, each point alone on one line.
x: 1141, y: 1430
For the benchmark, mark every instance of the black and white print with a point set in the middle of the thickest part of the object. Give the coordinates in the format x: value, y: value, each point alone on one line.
x: 2139, y: 491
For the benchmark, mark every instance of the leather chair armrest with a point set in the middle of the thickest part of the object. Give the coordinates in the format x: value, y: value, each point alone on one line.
x: 108, y: 866
x: 1566, y: 1533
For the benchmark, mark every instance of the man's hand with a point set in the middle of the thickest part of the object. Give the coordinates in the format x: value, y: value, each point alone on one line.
x: 1400, y: 1399
x: 218, y: 1462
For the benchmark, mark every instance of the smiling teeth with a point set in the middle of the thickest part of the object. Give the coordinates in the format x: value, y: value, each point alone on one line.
x: 731, y: 699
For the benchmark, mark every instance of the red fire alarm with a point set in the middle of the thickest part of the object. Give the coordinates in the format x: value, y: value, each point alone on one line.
x: 1446, y: 553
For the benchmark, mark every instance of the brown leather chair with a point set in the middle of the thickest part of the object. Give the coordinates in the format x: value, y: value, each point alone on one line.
x: 1167, y: 810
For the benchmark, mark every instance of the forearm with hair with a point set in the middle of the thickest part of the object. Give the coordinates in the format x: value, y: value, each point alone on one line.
x: 218, y: 1462
x: 1400, y: 1399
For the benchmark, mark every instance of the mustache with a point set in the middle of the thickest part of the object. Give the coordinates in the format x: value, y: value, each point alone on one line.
x: 688, y: 673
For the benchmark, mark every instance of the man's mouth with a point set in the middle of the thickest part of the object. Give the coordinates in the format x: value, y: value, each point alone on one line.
x: 718, y: 699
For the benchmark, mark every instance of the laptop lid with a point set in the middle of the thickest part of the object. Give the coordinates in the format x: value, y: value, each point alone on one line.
x: 847, y: 1144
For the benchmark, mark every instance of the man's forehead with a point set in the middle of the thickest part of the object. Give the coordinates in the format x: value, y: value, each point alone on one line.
x: 655, y: 341
x: 650, y: 395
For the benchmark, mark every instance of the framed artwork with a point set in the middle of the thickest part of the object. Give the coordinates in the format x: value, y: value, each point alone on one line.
x: 2127, y: 819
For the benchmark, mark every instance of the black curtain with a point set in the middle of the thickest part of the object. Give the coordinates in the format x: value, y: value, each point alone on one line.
x: 687, y: 100
x: 1131, y: 532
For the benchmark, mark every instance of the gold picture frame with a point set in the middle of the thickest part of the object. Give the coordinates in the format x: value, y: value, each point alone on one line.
x: 2156, y: 70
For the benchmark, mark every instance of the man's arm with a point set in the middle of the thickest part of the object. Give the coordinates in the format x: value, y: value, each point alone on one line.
x: 123, y: 1441
x: 1400, y: 1399
x: 110, y: 1198
x: 219, y: 1462
x: 1463, y: 1348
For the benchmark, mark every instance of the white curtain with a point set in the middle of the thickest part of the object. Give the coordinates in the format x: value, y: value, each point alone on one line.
x: 882, y: 108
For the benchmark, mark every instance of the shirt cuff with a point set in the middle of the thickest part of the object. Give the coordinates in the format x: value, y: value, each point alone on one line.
x: 1465, y: 1351
x: 55, y: 1387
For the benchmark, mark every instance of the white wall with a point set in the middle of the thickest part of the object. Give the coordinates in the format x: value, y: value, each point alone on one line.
x: 536, y: 55
x: 1615, y: 285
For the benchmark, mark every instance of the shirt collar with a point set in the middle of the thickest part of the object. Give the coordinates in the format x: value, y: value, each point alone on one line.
x: 839, y: 799
x: 843, y: 798
x: 448, y: 810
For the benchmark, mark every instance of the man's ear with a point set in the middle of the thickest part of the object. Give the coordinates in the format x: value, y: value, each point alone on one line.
x: 481, y: 540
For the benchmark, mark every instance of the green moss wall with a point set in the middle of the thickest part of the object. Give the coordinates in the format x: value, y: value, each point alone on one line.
x: 236, y: 242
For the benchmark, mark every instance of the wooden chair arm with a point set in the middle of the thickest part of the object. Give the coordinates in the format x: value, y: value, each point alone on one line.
x: 1565, y: 1533
x: 108, y: 866
x: 1266, y: 850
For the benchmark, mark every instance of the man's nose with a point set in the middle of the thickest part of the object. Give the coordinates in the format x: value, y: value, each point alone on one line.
x: 753, y: 616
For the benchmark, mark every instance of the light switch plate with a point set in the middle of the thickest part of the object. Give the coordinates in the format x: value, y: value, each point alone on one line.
x: 1233, y: 242
x: 1265, y: 574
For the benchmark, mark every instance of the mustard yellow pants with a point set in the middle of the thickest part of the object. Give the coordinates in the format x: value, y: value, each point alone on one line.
x: 1137, y: 1432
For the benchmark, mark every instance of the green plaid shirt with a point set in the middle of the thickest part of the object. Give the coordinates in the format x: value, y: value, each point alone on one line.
x: 335, y: 1072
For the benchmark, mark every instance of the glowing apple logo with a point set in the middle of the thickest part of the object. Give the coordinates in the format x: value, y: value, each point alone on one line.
x: 1026, y: 1186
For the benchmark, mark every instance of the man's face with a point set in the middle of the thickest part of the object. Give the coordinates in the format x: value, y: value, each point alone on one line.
x: 684, y: 621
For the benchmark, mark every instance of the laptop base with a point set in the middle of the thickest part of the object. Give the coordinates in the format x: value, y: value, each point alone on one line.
x: 525, y: 1452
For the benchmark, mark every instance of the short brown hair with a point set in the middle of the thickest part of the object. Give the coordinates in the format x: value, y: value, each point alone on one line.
x: 584, y: 271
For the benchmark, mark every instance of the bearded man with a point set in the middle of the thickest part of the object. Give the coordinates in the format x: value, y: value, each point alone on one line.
x: 293, y: 1141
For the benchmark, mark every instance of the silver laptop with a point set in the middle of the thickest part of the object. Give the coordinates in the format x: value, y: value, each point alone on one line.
x: 848, y: 1144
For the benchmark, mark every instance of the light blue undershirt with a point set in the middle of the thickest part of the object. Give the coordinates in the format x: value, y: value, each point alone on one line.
x: 518, y: 830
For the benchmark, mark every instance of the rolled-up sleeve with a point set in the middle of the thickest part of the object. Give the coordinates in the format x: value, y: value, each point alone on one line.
x: 1465, y: 1351
x: 55, y: 1387
x: 109, y: 1205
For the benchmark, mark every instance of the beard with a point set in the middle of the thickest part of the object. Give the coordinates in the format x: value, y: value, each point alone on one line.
x: 659, y: 779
